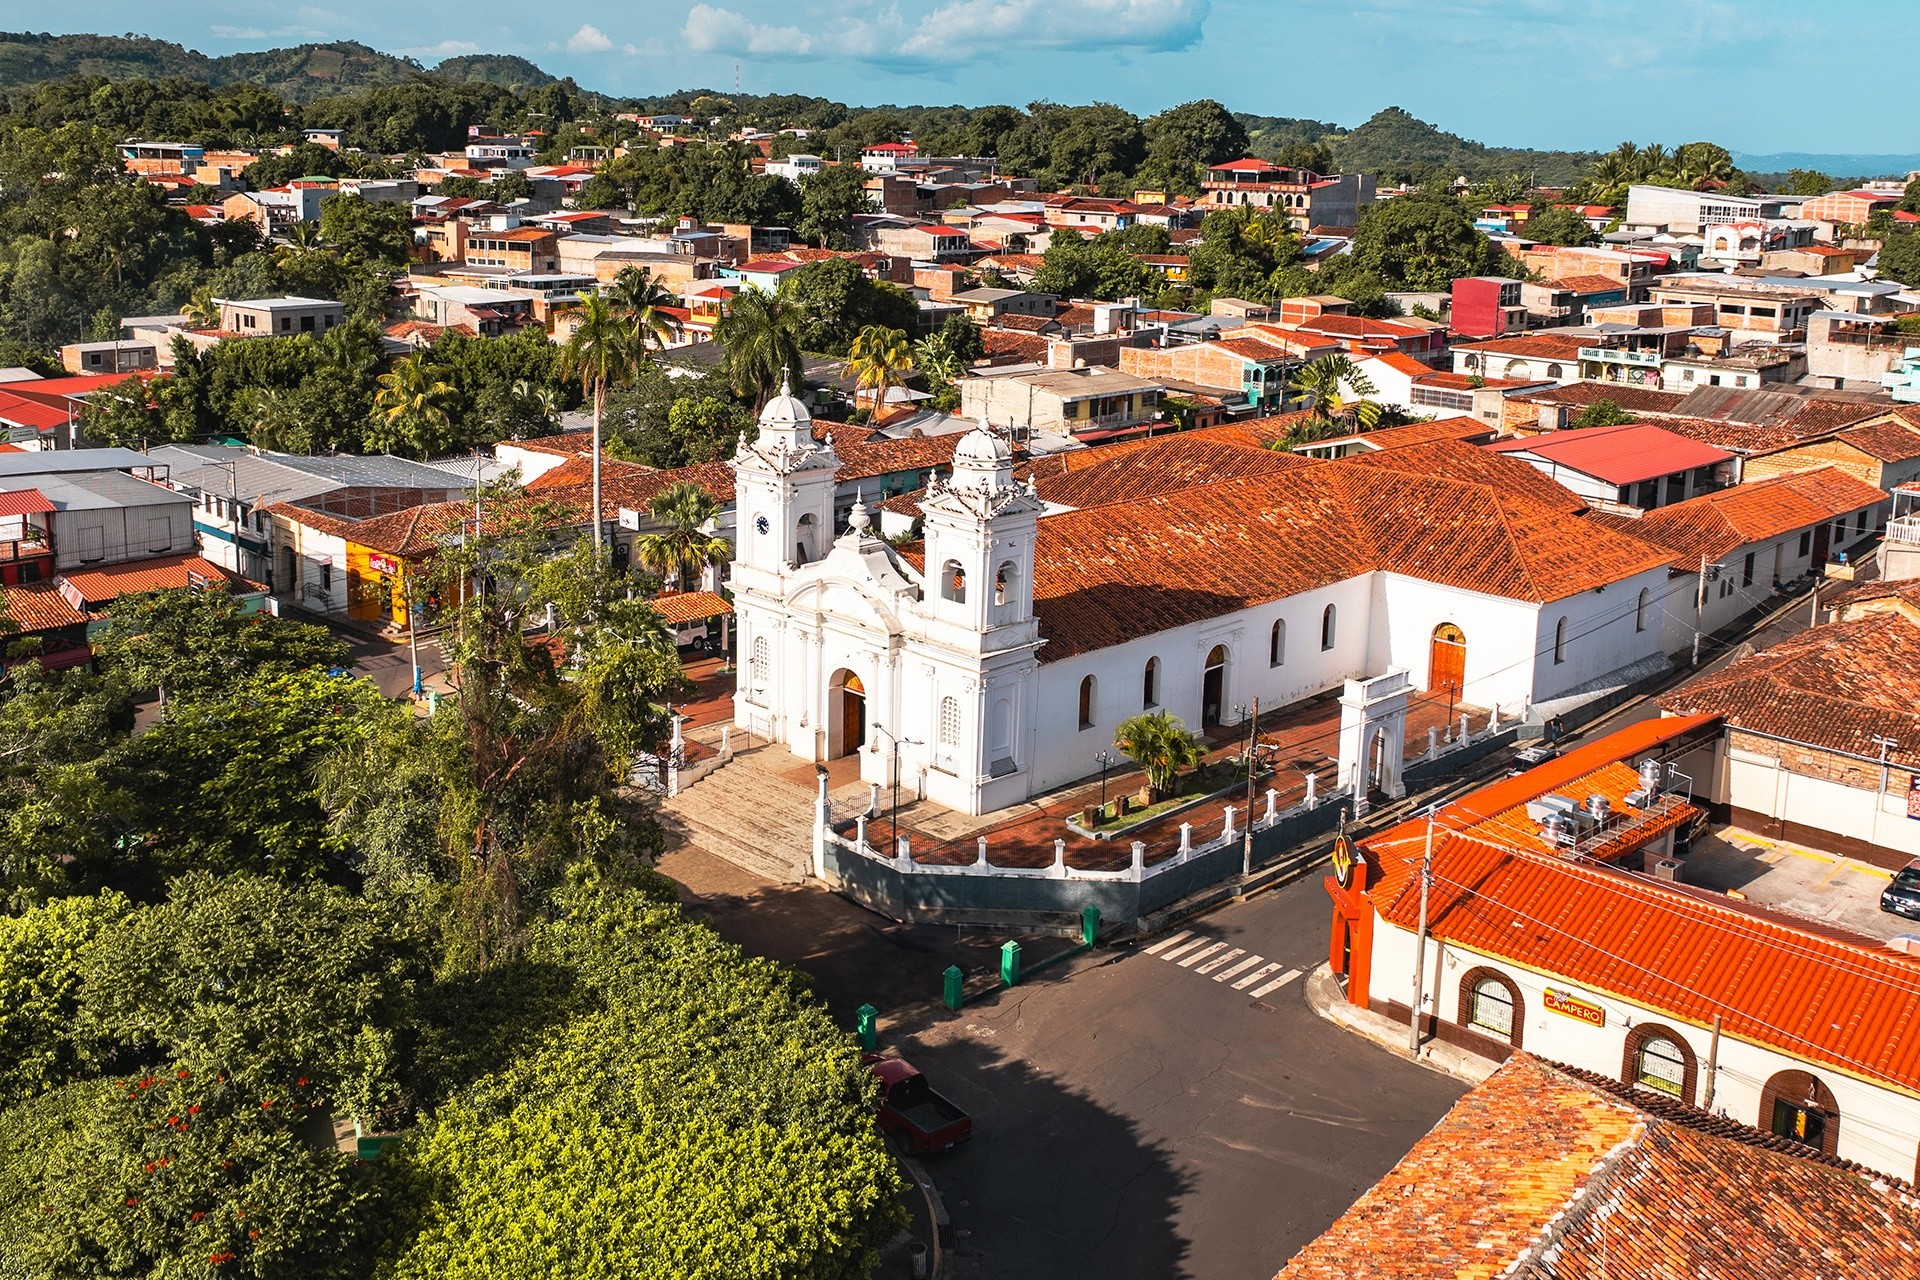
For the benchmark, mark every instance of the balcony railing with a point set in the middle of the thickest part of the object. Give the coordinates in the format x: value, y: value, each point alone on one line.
x: 1620, y: 355
x: 1904, y: 529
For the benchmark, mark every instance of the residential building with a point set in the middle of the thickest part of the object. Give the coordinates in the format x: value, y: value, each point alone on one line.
x: 1551, y: 1172
x: 119, y: 355
x: 1243, y: 370
x: 96, y: 515
x: 277, y: 208
x: 1692, y: 213
x: 26, y: 533
x: 1087, y: 403
x: 1844, y: 209
x: 1633, y: 269
x: 505, y: 244
x: 987, y: 305
x: 796, y: 167
x: 1570, y: 299
x: 1768, y: 311
x: 926, y: 243
x: 1846, y: 349
x: 1306, y: 198
x: 161, y: 157
x: 1551, y: 925
x: 1640, y: 465
x: 1487, y: 307
x: 1884, y: 452
x: 1734, y: 550
x: 1530, y: 357
x: 279, y: 317
x: 1011, y: 639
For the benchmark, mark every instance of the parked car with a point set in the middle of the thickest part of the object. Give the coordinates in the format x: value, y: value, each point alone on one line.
x: 1902, y: 895
x: 923, y: 1121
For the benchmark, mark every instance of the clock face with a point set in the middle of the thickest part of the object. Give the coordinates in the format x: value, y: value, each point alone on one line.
x: 762, y: 525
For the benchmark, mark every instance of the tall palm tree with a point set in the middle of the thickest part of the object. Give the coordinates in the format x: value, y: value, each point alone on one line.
x: 879, y: 361
x: 605, y: 349
x: 636, y: 294
x: 411, y: 406
x: 1161, y: 745
x: 301, y: 239
x: 1336, y: 393
x: 761, y: 333
x: 685, y: 545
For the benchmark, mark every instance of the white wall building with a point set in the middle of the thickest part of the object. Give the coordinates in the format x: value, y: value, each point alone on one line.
x: 997, y: 659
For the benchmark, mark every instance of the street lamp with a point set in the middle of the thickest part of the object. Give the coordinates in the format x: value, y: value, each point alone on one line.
x: 894, y: 814
x: 1105, y: 760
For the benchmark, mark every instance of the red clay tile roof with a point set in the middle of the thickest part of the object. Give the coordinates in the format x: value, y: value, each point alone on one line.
x: 1026, y: 324
x: 1022, y: 348
x: 1892, y: 441
x: 1144, y: 468
x: 1618, y: 455
x: 1588, y: 284
x: 1543, y: 1172
x: 1735, y: 437
x: 1541, y: 346
x: 628, y: 484
x: 38, y: 607
x: 690, y: 606
x: 1446, y: 513
x: 1815, y: 993
x: 1416, y: 433
x: 1632, y: 399
x: 24, y: 502
x: 1717, y: 524
x: 1837, y: 686
x: 1466, y: 381
x: 97, y: 588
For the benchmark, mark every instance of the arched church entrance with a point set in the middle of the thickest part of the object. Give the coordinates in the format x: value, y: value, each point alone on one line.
x: 1447, y: 661
x: 1213, y: 687
x: 846, y: 714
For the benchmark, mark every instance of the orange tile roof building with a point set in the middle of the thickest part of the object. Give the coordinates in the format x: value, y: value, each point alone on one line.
x: 1558, y: 921
x: 1544, y: 1172
x: 1193, y: 574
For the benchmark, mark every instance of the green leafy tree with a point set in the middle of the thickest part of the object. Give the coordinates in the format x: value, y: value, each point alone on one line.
x: 605, y: 348
x: 1601, y: 413
x: 685, y: 545
x: 1910, y: 198
x: 1808, y: 182
x: 377, y: 233
x: 411, y: 410
x: 1421, y: 243
x: 1159, y: 743
x: 1899, y: 258
x: 703, y: 428
x: 63, y: 809
x: 837, y: 301
x: 196, y: 644
x: 1555, y: 225
x: 762, y: 336
x: 40, y: 987
x: 605, y: 1151
x: 828, y: 201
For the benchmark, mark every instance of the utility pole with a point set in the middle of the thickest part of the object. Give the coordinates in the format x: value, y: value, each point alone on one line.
x: 1420, y: 947
x: 1253, y: 754
x: 1887, y: 747
x: 1713, y: 1064
x: 1699, y: 610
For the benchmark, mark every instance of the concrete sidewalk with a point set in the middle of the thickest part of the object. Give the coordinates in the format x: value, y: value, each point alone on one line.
x: 1326, y: 997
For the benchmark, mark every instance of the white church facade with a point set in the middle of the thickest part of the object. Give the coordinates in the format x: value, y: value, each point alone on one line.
x: 989, y: 663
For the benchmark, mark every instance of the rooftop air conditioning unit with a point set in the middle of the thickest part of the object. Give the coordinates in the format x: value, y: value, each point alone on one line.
x: 1599, y: 808
x: 1650, y: 776
x: 1547, y: 806
x: 1669, y: 869
x: 1641, y: 799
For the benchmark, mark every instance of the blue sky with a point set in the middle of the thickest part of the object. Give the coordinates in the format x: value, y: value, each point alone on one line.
x: 1757, y: 75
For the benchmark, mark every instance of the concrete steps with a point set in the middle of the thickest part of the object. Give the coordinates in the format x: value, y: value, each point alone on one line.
x: 749, y: 816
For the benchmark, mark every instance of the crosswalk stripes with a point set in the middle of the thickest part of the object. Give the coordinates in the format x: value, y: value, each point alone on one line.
x: 1255, y: 975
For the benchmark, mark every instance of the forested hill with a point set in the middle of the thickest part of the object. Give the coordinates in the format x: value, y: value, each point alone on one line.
x: 299, y: 74
x: 1394, y: 146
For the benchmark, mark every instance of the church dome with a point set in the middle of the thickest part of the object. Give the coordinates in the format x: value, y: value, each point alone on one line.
x: 982, y: 450
x: 785, y: 411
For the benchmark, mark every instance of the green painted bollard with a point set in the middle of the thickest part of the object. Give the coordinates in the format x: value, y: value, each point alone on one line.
x: 956, y: 995
x: 1089, y: 925
x: 1010, y: 963
x: 867, y: 1026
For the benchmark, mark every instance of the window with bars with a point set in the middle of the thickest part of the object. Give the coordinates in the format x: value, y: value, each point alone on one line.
x: 949, y: 722
x: 1661, y: 1065
x: 1492, y: 1008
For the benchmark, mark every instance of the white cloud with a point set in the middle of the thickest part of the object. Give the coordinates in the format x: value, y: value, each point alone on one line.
x: 445, y: 49
x: 965, y: 26
x: 713, y: 30
x: 237, y: 33
x: 956, y: 31
x: 589, y: 39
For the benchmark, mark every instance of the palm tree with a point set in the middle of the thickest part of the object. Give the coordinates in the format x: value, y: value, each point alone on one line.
x: 412, y: 406
x: 1160, y: 744
x: 276, y: 419
x: 685, y: 545
x: 542, y: 397
x: 202, y: 310
x: 605, y: 348
x: 761, y: 333
x: 636, y: 294
x: 1336, y: 394
x: 879, y: 361
x: 302, y: 238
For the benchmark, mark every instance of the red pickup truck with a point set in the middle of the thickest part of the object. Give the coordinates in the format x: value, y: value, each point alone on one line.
x: 925, y: 1121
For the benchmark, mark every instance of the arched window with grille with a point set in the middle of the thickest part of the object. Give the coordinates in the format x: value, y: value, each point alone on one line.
x: 949, y: 722
x: 1277, y: 645
x: 1329, y: 621
x: 761, y: 663
x: 1150, y: 684
x: 1491, y: 1004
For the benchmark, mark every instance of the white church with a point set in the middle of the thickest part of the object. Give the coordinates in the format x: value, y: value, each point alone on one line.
x: 1193, y: 573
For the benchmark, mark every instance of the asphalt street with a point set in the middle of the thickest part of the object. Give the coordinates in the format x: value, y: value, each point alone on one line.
x: 1136, y: 1114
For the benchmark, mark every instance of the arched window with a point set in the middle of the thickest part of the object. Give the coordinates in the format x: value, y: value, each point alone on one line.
x: 1473, y: 363
x: 949, y: 722
x: 953, y: 582
x: 1328, y: 621
x: 1087, y: 707
x: 1553, y: 371
x: 1150, y: 683
x: 1798, y: 1106
x: 1658, y: 1058
x: 1490, y: 1004
x: 761, y: 662
x: 1003, y: 592
x: 1277, y: 645
x: 1640, y: 609
x: 803, y: 540
x: 1560, y: 641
